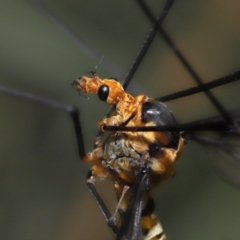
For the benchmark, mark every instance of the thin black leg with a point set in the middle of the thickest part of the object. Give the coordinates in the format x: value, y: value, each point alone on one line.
x: 71, y: 110
x: 106, y: 213
x: 187, y: 65
x: 131, y: 227
x: 147, y: 43
x: 212, y: 84
x: 143, y: 50
x: 217, y: 123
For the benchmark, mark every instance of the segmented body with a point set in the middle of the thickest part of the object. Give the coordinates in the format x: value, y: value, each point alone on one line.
x: 121, y: 155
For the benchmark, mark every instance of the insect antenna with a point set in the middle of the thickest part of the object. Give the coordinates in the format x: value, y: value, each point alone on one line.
x: 77, y: 39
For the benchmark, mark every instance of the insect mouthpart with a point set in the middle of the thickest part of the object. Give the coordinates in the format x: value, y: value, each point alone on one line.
x: 77, y: 84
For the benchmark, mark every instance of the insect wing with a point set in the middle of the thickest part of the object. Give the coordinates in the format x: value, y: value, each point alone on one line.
x: 225, y: 156
x: 224, y: 150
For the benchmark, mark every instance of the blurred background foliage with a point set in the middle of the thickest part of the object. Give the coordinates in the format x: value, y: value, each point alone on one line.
x: 44, y: 46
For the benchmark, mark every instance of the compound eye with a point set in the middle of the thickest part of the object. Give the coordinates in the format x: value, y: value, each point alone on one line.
x: 103, y: 92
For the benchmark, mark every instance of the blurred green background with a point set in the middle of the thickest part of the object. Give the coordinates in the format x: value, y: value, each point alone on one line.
x: 44, y: 46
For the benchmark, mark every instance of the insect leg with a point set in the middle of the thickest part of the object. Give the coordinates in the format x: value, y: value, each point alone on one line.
x: 90, y: 183
x: 113, y: 217
x: 147, y: 43
x: 71, y: 110
x: 209, y: 85
x: 188, y: 66
x: 144, y: 48
x: 130, y: 227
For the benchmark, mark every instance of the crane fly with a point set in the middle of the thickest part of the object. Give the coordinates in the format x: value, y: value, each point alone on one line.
x: 226, y: 145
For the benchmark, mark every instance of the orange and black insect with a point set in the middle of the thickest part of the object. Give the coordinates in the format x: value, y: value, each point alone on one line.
x: 122, y: 156
x: 144, y: 135
x: 144, y: 143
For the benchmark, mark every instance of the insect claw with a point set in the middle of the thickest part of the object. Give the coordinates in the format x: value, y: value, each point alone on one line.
x: 111, y: 221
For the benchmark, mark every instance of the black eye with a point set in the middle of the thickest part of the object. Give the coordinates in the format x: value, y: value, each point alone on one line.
x: 154, y: 148
x: 103, y: 92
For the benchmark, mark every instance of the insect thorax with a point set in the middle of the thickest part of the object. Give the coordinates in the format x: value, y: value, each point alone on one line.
x: 123, y: 153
